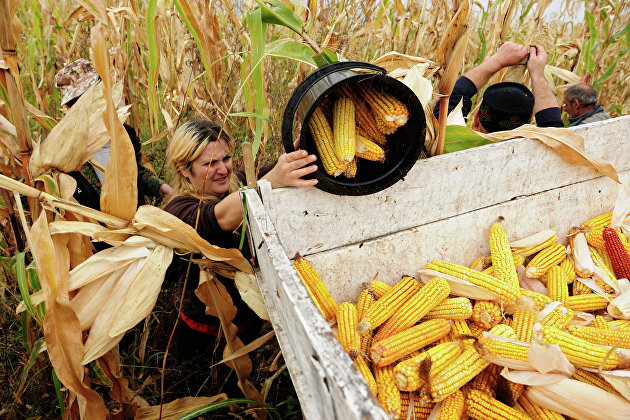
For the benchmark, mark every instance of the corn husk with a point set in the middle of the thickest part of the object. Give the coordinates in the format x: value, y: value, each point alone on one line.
x: 420, y: 85
x: 459, y: 287
x: 531, y: 378
x: 250, y: 293
x: 619, y: 307
x: 535, y: 239
x: 582, y: 255
x: 579, y: 400
x: 622, y: 205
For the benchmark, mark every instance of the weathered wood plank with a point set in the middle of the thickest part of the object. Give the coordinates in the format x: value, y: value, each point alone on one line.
x: 437, y: 188
x: 460, y: 239
x: 327, y: 383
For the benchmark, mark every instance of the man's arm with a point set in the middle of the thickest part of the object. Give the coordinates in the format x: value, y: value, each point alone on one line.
x: 546, y: 110
x: 509, y: 54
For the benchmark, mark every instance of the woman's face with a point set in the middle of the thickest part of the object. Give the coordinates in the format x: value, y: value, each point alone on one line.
x: 216, y: 161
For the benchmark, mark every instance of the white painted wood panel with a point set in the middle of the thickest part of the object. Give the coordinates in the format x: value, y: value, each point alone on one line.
x: 311, y: 221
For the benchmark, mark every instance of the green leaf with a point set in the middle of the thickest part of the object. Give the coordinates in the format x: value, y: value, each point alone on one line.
x: 57, y: 384
x: 611, y: 69
x: 462, y: 138
x: 325, y: 57
x: 279, y: 14
x: 624, y: 31
x: 291, y: 49
x: 18, y: 261
x: 216, y: 405
x: 250, y: 114
x: 153, y: 65
x: 31, y: 360
x: 258, y: 34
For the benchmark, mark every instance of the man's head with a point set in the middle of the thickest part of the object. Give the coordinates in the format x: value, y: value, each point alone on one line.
x: 504, y: 106
x: 579, y: 99
x: 75, y: 79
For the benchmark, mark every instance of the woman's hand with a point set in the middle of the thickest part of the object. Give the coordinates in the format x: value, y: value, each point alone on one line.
x: 290, y: 169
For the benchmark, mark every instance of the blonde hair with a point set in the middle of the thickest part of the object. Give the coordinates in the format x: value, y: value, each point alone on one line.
x: 187, y: 144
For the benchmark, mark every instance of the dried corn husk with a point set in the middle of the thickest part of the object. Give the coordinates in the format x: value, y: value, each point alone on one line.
x: 250, y: 293
x: 459, y: 287
x: 619, y: 307
x: 535, y: 239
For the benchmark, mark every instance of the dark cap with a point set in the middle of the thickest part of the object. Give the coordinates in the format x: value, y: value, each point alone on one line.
x: 506, y: 106
x: 75, y: 79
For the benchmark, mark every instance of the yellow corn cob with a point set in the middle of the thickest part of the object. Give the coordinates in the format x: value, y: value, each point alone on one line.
x: 502, y: 259
x: 580, y: 288
x: 421, y: 409
x: 387, y: 305
x: 351, y: 169
x: 468, y: 365
x: 323, y: 139
x: 366, y: 344
x: 369, y: 150
x: 606, y: 337
x: 619, y: 323
x: 587, y: 302
x: 507, y: 293
x: 388, y: 394
x: 418, y: 305
x: 452, y: 407
x: 480, y: 263
x: 365, y: 300
x: 545, y: 259
x: 347, y: 326
x: 598, y: 222
x: 486, y: 313
x: 535, y: 411
x: 594, y: 379
x: 579, y: 351
x: 411, y: 374
x: 557, y: 287
x: 523, y: 322
x: 518, y: 261
x: 601, y: 263
x: 476, y: 330
x: 481, y: 406
x: 534, y: 249
x: 487, y: 380
x: 491, y: 347
x: 539, y: 299
x: 519, y: 408
x: 378, y: 288
x: 364, y: 117
x: 362, y: 365
x: 460, y: 327
x: 511, y: 392
x: 316, y: 287
x: 569, y: 270
x: 595, y: 239
x: 344, y: 137
x: 393, y: 348
x: 600, y: 322
x: 558, y: 318
x: 451, y: 308
x: 388, y: 111
x: 503, y: 330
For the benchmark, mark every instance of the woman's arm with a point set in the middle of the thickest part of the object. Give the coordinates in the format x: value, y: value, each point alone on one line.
x: 288, y: 172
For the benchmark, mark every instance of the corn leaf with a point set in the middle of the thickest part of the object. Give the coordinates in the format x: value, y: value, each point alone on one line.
x: 291, y: 49
x: 178, y: 408
x: 279, y: 14
x: 97, y: 8
x: 154, y: 61
x: 27, y: 366
x: 250, y: 293
x: 258, y: 32
x: 461, y: 138
x: 20, y: 274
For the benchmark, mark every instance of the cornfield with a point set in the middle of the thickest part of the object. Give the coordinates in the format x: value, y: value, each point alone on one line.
x: 236, y: 63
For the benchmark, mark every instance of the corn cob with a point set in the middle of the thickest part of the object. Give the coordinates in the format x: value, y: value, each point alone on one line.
x: 619, y: 257
x: 579, y: 351
x: 314, y: 284
x: 412, y: 373
x: 545, y: 259
x: 531, y: 250
x: 378, y: 288
x: 600, y: 322
x: 388, y: 111
x: 323, y: 139
x: 468, y: 365
x: 369, y: 150
x: 481, y: 406
x: 351, y: 169
x: 518, y: 261
x: 594, y: 379
x: 476, y: 330
x: 418, y: 305
x: 487, y: 380
x: 486, y: 313
x: 502, y: 259
x: 347, y: 326
x: 388, y: 394
x: 451, y: 308
x: 606, y: 337
x: 619, y: 323
x: 598, y: 260
x: 365, y: 300
x: 523, y: 322
x: 586, y: 302
x: 539, y: 299
x: 362, y: 365
x: 580, y: 288
x: 598, y: 222
x: 535, y: 411
x: 392, y: 348
x: 387, y: 305
x: 452, y: 407
x: 595, y: 238
x: 490, y: 347
x: 569, y: 270
x: 344, y: 137
x: 364, y: 117
x: 557, y: 287
x: 503, y: 330
x: 480, y: 263
x: 559, y: 317
x: 421, y: 409
x: 506, y: 292
x: 460, y: 329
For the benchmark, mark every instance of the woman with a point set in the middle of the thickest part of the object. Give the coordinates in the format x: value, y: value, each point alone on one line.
x: 200, y: 154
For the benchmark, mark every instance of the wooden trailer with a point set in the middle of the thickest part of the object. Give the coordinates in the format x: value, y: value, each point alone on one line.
x: 442, y: 209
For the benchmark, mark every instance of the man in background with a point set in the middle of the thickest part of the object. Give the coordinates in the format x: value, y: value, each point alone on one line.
x: 580, y: 102
x: 73, y: 81
x: 508, y: 105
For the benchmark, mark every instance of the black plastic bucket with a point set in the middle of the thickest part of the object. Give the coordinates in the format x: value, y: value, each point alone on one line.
x: 403, y: 147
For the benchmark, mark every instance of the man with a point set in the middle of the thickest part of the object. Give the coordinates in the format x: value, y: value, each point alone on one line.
x: 580, y: 102
x: 507, y: 105
x: 73, y: 81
